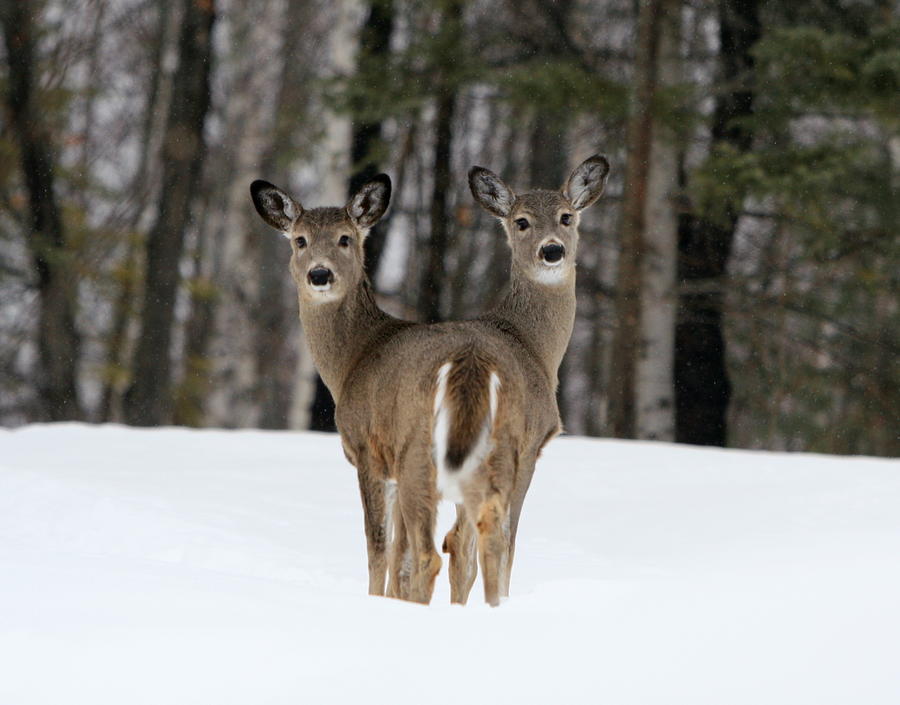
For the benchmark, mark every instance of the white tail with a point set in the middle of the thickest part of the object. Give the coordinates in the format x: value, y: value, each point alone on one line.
x: 452, y: 474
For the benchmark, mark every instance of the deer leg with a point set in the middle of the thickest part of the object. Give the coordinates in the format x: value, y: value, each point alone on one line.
x: 523, y: 481
x: 493, y: 546
x: 401, y: 560
x: 372, y: 492
x: 460, y: 544
x: 418, y: 503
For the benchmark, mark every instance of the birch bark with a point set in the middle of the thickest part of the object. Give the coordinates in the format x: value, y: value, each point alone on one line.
x: 654, y: 387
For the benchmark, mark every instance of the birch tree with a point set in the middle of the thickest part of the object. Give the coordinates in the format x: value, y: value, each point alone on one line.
x: 222, y: 331
x: 654, y: 388
x: 334, y: 163
x: 640, y: 393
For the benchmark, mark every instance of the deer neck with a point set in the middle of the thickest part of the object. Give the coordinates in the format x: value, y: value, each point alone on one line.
x: 541, y: 315
x: 340, y: 332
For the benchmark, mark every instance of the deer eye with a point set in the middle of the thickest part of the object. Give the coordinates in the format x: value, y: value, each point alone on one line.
x: 301, y: 242
x: 522, y: 223
x: 565, y: 218
x: 344, y: 241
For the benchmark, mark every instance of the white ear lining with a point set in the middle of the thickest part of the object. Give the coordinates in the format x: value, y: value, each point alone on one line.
x: 289, y: 208
x: 369, y: 204
x: 587, y: 182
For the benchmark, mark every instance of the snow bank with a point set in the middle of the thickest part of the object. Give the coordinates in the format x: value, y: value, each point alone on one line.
x: 172, y: 567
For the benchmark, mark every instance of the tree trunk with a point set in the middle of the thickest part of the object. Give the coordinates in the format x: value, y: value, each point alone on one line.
x: 276, y: 362
x: 94, y: 68
x: 547, y: 145
x: 148, y: 400
x: 547, y: 166
x: 433, y: 282
x: 59, y: 343
x: 128, y: 271
x: 344, y: 46
x: 366, y: 140
x: 224, y: 288
x: 654, y: 369
x: 276, y: 351
x: 193, y: 389
x: 375, y: 43
x: 638, y: 140
x: 702, y: 387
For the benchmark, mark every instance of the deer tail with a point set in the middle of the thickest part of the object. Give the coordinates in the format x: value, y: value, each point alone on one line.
x: 465, y: 409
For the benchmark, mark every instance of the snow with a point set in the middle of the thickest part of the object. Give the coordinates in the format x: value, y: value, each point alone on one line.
x: 197, y: 567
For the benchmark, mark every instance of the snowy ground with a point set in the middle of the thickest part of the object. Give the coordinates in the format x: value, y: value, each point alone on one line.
x: 181, y: 567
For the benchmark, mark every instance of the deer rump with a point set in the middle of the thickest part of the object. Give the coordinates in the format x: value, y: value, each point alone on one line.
x: 465, y: 411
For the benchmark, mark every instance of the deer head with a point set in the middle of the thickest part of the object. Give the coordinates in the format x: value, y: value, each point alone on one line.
x: 327, y: 258
x: 541, y: 225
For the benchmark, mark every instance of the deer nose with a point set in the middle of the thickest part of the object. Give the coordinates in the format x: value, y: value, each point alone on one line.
x: 552, y: 252
x: 320, y: 276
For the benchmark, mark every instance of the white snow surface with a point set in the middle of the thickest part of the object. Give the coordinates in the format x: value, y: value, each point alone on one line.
x: 173, y: 567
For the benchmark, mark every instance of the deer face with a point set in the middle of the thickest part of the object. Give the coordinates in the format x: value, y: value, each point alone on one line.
x: 327, y: 258
x: 542, y: 226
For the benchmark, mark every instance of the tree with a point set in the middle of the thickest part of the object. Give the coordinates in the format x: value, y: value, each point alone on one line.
x: 638, y: 398
x: 224, y: 284
x: 816, y: 252
x: 276, y: 352
x: 654, y: 383
x: 446, y: 84
x: 59, y: 343
x: 127, y: 273
x: 365, y: 152
x: 367, y: 144
x: 702, y: 385
x: 148, y: 401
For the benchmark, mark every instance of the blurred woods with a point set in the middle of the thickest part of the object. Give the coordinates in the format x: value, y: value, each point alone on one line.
x: 737, y: 284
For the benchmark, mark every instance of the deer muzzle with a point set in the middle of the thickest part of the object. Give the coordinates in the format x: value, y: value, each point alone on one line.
x: 552, y: 253
x: 320, y: 278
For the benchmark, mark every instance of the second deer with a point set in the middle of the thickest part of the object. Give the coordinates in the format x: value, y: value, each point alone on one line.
x: 458, y: 410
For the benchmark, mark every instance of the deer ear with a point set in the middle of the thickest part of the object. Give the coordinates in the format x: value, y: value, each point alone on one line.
x: 587, y: 182
x: 370, y: 202
x: 491, y: 193
x: 276, y: 208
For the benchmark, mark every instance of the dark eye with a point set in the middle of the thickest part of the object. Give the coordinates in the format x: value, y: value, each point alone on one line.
x: 565, y: 218
x: 301, y: 242
x: 522, y: 223
x: 344, y: 241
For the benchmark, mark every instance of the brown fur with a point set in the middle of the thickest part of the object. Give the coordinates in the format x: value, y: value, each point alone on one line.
x: 468, y: 399
x: 382, y: 372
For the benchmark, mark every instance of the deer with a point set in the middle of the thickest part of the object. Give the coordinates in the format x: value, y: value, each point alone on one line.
x: 538, y: 310
x: 456, y: 410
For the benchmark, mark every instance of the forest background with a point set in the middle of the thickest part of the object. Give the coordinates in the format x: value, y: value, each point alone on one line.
x: 738, y: 283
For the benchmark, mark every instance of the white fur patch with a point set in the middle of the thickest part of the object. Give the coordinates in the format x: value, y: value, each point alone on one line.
x: 441, y: 429
x: 323, y: 297
x: 494, y: 390
x: 449, y: 482
x: 550, y: 273
x: 441, y: 392
x: 390, y: 501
